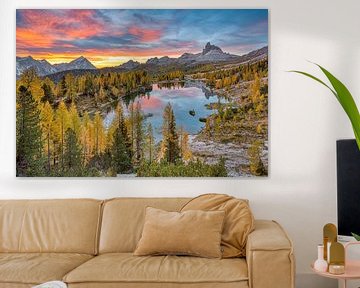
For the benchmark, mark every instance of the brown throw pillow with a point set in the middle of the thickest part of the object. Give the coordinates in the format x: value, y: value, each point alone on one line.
x: 238, y: 224
x: 196, y: 233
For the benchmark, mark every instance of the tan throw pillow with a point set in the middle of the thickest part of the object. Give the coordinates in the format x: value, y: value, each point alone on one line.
x: 196, y: 233
x: 238, y: 224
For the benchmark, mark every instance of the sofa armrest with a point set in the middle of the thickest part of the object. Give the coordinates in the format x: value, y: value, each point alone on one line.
x: 269, y: 255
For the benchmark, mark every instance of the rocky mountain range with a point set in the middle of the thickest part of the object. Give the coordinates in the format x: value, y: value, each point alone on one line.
x: 210, y: 54
x: 78, y: 63
x: 43, y: 67
x: 130, y: 65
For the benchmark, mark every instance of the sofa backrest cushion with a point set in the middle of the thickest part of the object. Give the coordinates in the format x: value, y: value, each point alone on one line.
x: 239, y: 220
x: 64, y: 226
x: 123, y: 220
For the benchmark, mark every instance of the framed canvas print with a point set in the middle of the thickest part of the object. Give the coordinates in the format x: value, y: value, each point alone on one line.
x: 146, y: 93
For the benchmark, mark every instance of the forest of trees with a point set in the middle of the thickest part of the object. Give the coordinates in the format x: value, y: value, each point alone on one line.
x: 177, y: 75
x: 53, y: 139
x: 58, y: 133
x: 224, y: 78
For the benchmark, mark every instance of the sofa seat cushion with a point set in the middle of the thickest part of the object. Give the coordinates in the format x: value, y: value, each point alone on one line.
x: 36, y: 268
x: 127, y: 268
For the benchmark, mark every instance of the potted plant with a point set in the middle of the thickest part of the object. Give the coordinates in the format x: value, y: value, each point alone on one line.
x: 347, y: 102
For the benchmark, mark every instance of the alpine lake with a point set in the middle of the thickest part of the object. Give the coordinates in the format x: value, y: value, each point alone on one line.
x: 190, y: 100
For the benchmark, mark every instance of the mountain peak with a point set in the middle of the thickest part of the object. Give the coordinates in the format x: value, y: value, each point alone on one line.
x: 78, y: 63
x: 80, y: 59
x: 209, y: 47
x: 24, y: 58
x: 131, y: 64
x: 42, y: 67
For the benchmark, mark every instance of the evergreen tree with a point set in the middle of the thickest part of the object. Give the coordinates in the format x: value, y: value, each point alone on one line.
x: 89, y: 85
x: 185, y: 152
x: 121, y: 145
x: 75, y: 122
x: 150, y: 143
x: 80, y: 84
x: 70, y: 85
x: 48, y: 93
x: 62, y: 87
x: 208, y: 127
x: 102, y: 93
x: 86, y: 139
x: 62, y: 123
x: 139, y: 133
x: 170, y: 139
x: 47, y: 120
x: 131, y: 121
x: 255, y: 90
x: 124, y: 131
x: 257, y: 167
x: 30, y: 80
x: 99, y: 134
x: 121, y: 159
x: 29, y: 160
x: 72, y: 153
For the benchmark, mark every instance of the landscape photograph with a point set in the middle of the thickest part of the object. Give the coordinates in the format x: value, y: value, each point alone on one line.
x: 142, y: 93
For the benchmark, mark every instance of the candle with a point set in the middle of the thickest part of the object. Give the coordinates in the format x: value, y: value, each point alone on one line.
x: 336, y: 269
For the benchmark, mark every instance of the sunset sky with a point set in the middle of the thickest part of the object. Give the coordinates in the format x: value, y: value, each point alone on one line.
x: 112, y: 37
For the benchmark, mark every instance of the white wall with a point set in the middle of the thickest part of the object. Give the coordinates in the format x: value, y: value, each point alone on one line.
x: 305, y: 120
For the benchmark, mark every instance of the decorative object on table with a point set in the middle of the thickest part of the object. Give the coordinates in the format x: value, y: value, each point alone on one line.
x: 336, y: 269
x: 329, y: 236
x: 341, y: 267
x: 52, y: 284
x: 142, y: 93
x: 337, y: 258
x: 320, y: 264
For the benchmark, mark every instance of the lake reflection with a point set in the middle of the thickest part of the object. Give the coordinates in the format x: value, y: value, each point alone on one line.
x: 182, y: 98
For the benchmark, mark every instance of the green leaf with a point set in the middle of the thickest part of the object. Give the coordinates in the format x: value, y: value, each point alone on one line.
x: 316, y: 79
x: 356, y: 236
x: 344, y: 97
x: 347, y: 101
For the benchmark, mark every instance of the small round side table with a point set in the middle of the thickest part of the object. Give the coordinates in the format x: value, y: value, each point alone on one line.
x: 352, y: 269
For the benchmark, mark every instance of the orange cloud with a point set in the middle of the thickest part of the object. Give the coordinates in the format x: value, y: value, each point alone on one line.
x: 145, y: 35
x: 55, y: 35
x: 61, y: 36
x: 46, y: 26
x: 29, y: 38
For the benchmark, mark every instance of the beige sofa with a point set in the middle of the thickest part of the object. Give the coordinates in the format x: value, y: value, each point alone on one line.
x: 89, y: 243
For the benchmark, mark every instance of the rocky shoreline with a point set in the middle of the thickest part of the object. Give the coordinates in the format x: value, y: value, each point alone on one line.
x: 235, y: 152
x: 235, y: 155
